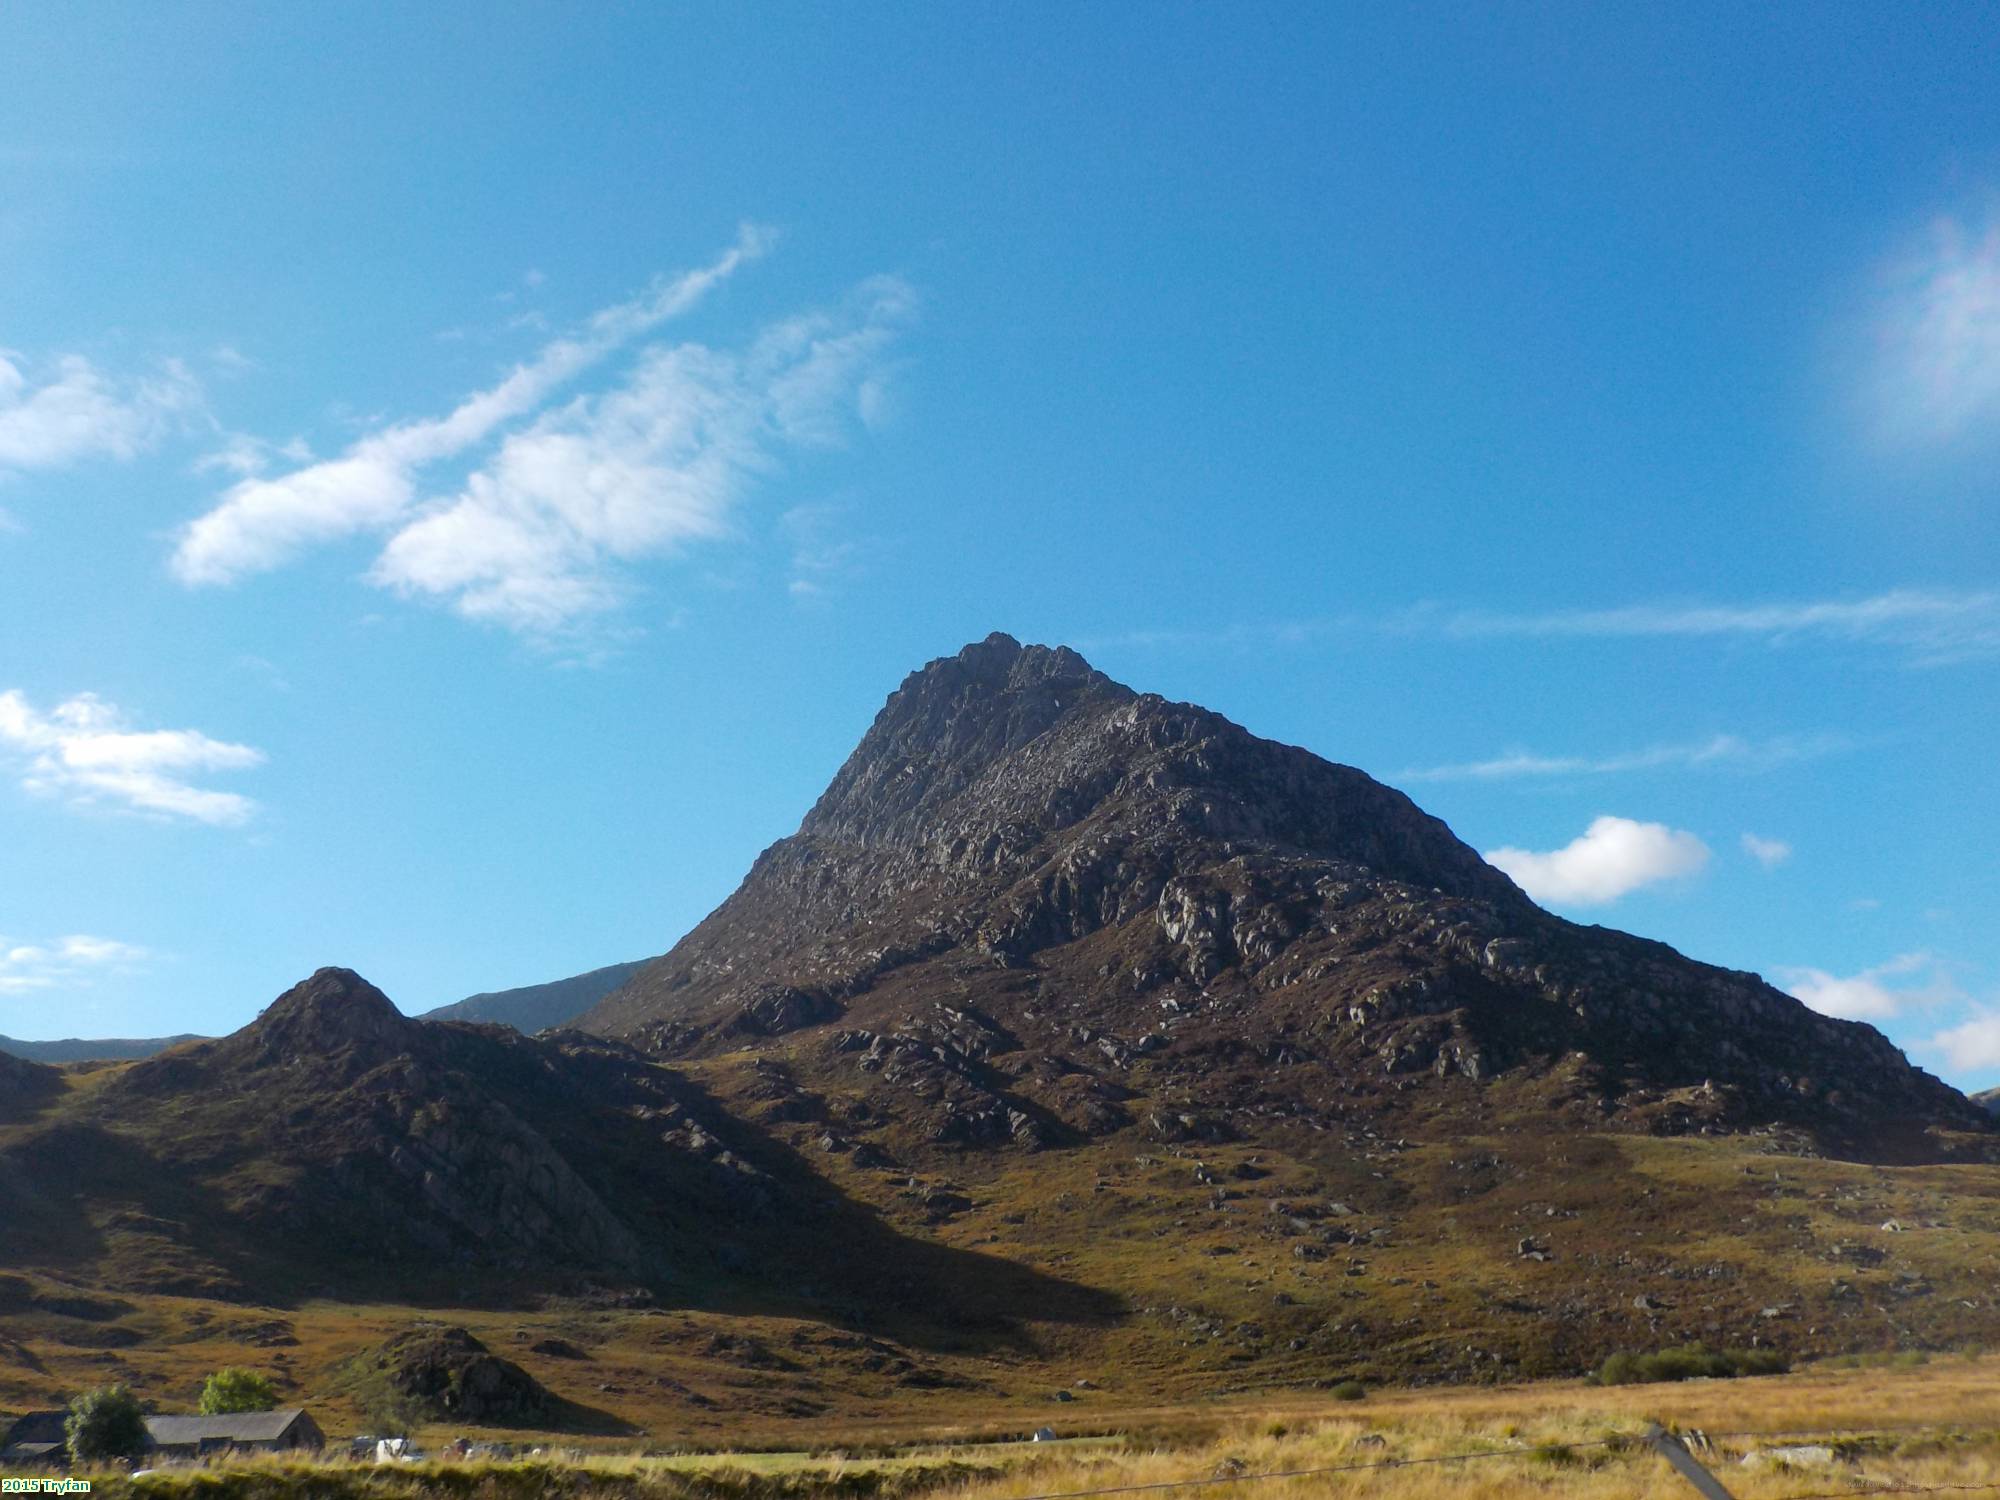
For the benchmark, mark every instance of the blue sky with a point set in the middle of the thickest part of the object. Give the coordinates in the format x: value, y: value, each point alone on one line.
x: 470, y: 473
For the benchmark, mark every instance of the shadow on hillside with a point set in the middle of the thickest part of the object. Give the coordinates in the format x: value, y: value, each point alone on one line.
x: 777, y: 1239
x: 788, y: 1241
x: 81, y: 1199
x: 728, y: 1217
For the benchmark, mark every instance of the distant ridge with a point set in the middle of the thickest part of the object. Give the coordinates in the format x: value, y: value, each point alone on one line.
x: 536, y: 1007
x: 1990, y: 1099
x: 530, y: 1008
x: 102, y: 1049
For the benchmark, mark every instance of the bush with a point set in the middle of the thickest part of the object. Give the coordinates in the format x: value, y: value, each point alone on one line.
x: 1349, y: 1390
x: 105, y: 1423
x: 236, y: 1389
x: 1689, y: 1362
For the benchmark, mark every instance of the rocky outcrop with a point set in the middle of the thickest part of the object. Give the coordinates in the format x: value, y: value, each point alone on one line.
x: 446, y: 1374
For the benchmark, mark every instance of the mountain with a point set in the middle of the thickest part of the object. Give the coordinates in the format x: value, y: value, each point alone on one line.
x: 1035, y: 906
x: 1990, y: 1101
x: 83, y: 1049
x: 1076, y: 1034
x: 336, y: 1144
x: 536, y: 1007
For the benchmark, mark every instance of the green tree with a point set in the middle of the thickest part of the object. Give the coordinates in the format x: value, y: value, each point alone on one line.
x: 105, y: 1423
x: 236, y: 1389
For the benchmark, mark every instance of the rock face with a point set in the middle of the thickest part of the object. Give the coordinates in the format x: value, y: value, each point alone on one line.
x: 1032, y: 895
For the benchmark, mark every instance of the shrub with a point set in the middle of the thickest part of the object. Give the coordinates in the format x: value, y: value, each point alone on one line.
x: 105, y: 1423
x: 236, y: 1389
x: 1349, y: 1390
x: 1689, y: 1362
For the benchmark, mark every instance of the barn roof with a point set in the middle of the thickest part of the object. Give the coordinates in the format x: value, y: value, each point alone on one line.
x: 236, y: 1427
x: 36, y: 1427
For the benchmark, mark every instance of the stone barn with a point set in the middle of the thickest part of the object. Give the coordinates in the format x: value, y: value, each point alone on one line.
x: 249, y: 1431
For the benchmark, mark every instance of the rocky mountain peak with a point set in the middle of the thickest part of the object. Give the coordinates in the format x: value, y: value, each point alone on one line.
x: 1115, y: 890
x: 334, y: 1011
x: 949, y: 721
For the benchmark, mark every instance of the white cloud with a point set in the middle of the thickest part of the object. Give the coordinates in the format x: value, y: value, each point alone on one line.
x: 1612, y: 858
x: 61, y: 962
x: 1875, y: 994
x: 1770, y: 853
x: 1933, y: 625
x: 1722, y: 750
x: 821, y: 557
x: 1937, y: 334
x: 534, y: 539
x: 1971, y: 1047
x: 75, y: 411
x: 260, y: 523
x: 82, y: 751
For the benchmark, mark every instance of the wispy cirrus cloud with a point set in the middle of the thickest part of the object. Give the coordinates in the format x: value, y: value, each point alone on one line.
x: 1721, y: 751
x: 822, y: 556
x: 82, y: 751
x: 553, y: 502
x: 260, y: 523
x: 1929, y: 626
x: 1936, y: 333
x: 536, y: 537
x: 1611, y: 858
x: 61, y: 962
x: 1770, y: 853
x: 71, y: 410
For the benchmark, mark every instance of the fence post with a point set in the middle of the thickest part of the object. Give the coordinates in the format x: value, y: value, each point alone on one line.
x: 1675, y: 1452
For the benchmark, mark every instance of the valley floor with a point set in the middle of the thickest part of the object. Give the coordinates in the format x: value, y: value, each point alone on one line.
x: 1880, y: 1427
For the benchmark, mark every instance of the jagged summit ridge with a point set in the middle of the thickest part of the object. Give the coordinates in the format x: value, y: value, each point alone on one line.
x: 983, y: 754
x: 948, y: 722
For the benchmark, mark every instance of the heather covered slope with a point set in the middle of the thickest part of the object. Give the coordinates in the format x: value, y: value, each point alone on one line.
x: 1036, y: 907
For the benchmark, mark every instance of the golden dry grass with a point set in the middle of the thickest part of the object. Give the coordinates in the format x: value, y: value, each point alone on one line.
x: 1930, y: 1425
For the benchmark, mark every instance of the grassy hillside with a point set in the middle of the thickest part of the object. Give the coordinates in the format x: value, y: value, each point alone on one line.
x: 1222, y: 1269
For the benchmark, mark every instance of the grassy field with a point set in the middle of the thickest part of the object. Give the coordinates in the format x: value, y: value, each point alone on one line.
x: 1936, y: 1423
x: 1218, y: 1305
